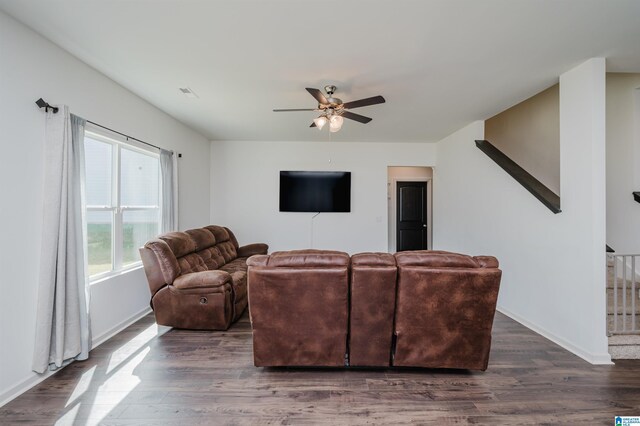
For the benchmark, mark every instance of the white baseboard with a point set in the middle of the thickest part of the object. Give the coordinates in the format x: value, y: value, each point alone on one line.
x: 24, y: 386
x: 98, y: 340
x: 34, y: 379
x: 592, y: 358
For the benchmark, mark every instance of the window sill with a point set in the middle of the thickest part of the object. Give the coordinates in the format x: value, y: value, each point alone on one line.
x: 111, y: 275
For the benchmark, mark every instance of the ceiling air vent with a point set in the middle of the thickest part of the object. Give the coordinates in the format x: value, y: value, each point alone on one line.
x: 188, y: 92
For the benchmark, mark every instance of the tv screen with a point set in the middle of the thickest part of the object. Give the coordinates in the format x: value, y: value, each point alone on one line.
x: 315, y: 191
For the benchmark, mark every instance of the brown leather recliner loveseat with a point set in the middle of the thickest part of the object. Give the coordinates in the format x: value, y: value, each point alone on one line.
x: 198, y: 278
x: 429, y: 309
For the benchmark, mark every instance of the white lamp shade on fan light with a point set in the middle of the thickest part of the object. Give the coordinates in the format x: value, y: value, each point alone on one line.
x: 320, y: 122
x: 335, y: 123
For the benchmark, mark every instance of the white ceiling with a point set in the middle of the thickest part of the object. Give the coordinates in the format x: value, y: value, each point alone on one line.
x: 439, y: 63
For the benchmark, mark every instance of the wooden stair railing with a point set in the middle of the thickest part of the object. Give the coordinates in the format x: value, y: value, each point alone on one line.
x: 530, y: 183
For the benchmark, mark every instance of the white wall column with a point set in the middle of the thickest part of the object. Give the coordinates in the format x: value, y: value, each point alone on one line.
x: 583, y: 193
x: 553, y: 264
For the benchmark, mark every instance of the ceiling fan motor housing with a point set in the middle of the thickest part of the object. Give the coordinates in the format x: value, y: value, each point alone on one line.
x: 330, y: 89
x: 331, y: 101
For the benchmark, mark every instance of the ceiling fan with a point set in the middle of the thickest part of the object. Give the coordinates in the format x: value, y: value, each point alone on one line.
x: 333, y: 110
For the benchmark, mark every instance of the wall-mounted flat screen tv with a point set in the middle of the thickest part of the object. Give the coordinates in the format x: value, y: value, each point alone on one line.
x: 315, y: 191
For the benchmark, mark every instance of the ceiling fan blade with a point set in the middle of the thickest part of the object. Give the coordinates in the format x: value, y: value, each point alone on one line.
x: 356, y: 117
x: 313, y: 125
x: 295, y: 109
x: 318, y: 95
x: 364, y: 102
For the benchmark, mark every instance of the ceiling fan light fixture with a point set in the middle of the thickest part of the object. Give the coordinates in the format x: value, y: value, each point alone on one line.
x: 320, y: 122
x: 335, y: 123
x: 333, y: 110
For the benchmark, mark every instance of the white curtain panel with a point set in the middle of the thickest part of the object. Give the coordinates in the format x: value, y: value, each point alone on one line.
x: 62, y: 325
x: 169, y: 195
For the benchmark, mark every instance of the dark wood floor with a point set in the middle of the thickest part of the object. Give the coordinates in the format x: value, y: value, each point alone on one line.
x: 202, y: 378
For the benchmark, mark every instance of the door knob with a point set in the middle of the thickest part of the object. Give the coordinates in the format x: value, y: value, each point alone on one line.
x: 424, y: 225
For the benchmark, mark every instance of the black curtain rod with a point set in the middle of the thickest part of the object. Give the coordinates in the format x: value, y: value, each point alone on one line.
x: 122, y: 134
x: 42, y: 104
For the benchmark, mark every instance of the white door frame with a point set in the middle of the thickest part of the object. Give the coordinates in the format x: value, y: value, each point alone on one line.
x: 392, y: 210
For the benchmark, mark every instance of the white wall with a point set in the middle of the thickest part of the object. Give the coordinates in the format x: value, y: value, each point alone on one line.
x: 623, y: 168
x: 553, y: 265
x: 245, y: 188
x: 32, y: 67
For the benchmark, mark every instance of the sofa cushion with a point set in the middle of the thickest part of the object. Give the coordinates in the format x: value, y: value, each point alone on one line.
x: 211, y: 257
x: 202, y: 237
x: 191, y: 263
x: 202, y: 279
x: 220, y: 234
x: 239, y: 264
x: 227, y: 250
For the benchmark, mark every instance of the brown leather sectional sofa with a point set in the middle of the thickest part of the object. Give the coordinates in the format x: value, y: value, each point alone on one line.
x: 413, y: 309
x: 198, y: 278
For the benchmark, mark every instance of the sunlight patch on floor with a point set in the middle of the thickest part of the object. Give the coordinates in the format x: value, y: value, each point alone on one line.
x: 69, y: 417
x: 126, y: 383
x: 83, y: 385
x: 132, y: 346
x: 116, y: 381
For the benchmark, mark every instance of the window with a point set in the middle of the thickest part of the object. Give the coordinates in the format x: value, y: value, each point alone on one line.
x: 123, y: 197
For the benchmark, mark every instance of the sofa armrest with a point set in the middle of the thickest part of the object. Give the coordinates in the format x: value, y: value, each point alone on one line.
x: 204, y: 279
x: 251, y: 249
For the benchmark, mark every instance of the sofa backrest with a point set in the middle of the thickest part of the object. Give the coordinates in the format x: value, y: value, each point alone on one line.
x: 227, y: 245
x: 444, y: 309
x: 206, y: 248
x: 373, y: 304
x: 299, y: 307
x: 412, y: 309
x: 443, y: 259
x: 177, y: 253
x: 302, y: 259
x: 183, y: 247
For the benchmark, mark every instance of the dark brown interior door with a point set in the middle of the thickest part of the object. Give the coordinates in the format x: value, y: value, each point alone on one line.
x: 411, y: 217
